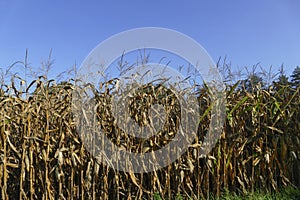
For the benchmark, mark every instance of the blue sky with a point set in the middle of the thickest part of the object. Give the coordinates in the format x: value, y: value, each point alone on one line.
x: 247, y: 32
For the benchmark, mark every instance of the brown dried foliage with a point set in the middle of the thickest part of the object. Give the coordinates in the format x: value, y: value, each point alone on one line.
x: 42, y: 155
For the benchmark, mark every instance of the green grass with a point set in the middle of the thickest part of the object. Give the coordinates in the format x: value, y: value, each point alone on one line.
x: 285, y: 194
x: 288, y: 193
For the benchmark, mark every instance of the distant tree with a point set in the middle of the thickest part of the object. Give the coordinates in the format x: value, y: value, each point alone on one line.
x: 1, y: 92
x: 254, y: 80
x: 283, y: 80
x: 296, y: 77
x: 252, y: 83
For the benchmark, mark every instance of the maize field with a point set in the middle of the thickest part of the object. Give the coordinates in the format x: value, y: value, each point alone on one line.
x: 42, y: 155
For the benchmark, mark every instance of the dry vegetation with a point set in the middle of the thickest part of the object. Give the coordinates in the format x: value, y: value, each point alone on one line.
x: 42, y: 155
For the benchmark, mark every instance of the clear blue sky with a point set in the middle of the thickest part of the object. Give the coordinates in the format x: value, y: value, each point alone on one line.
x: 247, y: 32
